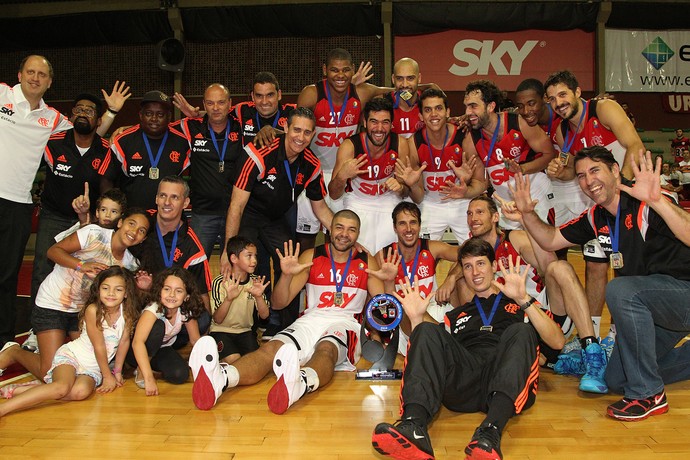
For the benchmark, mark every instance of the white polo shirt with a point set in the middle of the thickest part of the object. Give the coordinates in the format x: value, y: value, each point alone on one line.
x: 23, y: 137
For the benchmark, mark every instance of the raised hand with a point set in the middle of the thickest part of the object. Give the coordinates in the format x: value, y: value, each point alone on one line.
x: 92, y: 269
x: 231, y: 286
x: 388, y: 266
x: 185, y: 107
x: 466, y: 170
x: 521, y: 194
x: 514, y: 282
x: 508, y: 208
x: 647, y: 182
x: 453, y: 190
x: 289, y: 259
x: 412, y: 301
x: 116, y: 99
x: 82, y: 205
x: 362, y: 75
x: 406, y: 173
x: 258, y: 286
x: 353, y: 167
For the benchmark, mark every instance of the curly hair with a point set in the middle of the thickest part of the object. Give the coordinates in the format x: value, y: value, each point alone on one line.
x: 193, y: 307
x: 130, y: 307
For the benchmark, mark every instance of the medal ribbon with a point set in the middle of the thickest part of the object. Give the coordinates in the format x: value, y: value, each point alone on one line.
x: 615, y: 234
x: 154, y: 162
x: 221, y: 154
x: 289, y: 176
x: 568, y: 143
x: 339, y: 285
x: 493, y: 142
x: 485, y: 321
x: 167, y: 257
x: 275, y: 120
x: 330, y: 104
x: 431, y: 149
x: 411, y: 273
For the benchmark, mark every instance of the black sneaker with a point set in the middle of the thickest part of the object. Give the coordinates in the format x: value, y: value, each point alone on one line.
x: 633, y: 410
x: 404, y: 440
x: 485, y: 443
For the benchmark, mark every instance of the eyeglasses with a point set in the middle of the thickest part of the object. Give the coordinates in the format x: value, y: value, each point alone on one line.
x: 88, y: 111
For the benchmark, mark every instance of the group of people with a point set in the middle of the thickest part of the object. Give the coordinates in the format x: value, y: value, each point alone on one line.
x: 514, y: 187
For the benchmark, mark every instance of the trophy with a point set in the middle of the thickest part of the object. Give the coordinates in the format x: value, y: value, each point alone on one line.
x: 384, y: 313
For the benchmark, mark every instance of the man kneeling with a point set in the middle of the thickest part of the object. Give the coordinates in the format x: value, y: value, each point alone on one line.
x: 485, y: 359
x: 326, y: 338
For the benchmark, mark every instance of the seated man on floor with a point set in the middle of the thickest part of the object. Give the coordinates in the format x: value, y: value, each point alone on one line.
x: 325, y: 338
x: 485, y: 358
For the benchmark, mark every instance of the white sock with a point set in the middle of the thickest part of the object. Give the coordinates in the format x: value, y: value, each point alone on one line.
x: 596, y: 322
x: 232, y: 375
x: 612, y: 331
x: 310, y: 378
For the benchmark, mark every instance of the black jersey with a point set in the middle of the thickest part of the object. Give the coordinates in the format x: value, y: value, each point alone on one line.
x: 251, y: 122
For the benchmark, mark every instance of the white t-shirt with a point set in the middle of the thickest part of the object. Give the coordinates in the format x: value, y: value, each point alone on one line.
x: 173, y: 326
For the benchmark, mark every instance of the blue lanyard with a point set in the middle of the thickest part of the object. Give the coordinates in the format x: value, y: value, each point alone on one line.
x: 431, y: 149
x: 339, y: 285
x: 330, y: 104
x: 615, y: 234
x: 397, y: 101
x: 275, y: 120
x: 289, y: 176
x: 366, y: 150
x: 167, y: 257
x: 485, y: 321
x: 498, y: 241
x: 568, y: 143
x: 411, y: 273
x: 493, y: 142
x: 221, y: 154
x: 154, y: 162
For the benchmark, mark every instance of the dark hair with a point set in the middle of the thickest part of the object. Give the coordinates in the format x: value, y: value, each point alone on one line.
x: 237, y: 244
x: 176, y: 180
x: 338, y: 54
x: 596, y: 153
x: 491, y: 204
x: 531, y: 84
x: 476, y: 247
x: 266, y: 77
x: 562, y: 76
x: 489, y: 90
x: 348, y: 214
x: 378, y: 104
x: 408, y: 207
x: 193, y: 307
x: 92, y: 98
x: 130, y: 305
x: 116, y: 195
x: 303, y: 112
x: 432, y: 92
x: 50, y: 66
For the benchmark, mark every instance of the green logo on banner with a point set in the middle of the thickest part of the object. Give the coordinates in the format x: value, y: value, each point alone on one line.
x: 657, y: 53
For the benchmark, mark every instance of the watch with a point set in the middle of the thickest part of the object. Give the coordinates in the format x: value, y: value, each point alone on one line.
x: 529, y: 303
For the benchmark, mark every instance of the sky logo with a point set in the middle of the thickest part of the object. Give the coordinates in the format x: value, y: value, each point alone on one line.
x: 658, y: 53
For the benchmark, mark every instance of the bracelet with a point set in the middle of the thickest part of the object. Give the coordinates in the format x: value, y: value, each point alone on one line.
x: 114, y: 112
x: 528, y: 304
x: 117, y: 371
x: 79, y: 265
x: 110, y: 114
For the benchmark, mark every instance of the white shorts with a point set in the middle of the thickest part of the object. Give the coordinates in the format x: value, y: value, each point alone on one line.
x: 341, y: 330
x: 569, y: 201
x: 376, y: 230
x: 438, y: 217
x: 544, y: 208
x: 307, y: 222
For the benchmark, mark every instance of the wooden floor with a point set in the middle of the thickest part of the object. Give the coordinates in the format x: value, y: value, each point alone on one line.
x: 334, y: 423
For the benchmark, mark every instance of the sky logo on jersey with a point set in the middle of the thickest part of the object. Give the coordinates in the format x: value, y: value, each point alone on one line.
x: 657, y: 53
x: 7, y: 110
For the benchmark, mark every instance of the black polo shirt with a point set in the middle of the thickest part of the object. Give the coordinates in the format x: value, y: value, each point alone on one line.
x: 210, y: 188
x: 68, y: 169
x: 262, y: 172
x: 251, y: 122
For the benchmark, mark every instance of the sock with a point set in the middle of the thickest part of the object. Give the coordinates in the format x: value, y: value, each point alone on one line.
x: 585, y: 341
x: 416, y: 413
x: 232, y: 374
x: 311, y: 379
x: 501, y: 408
x: 596, y: 322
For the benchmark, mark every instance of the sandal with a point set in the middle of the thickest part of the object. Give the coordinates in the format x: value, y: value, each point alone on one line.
x: 7, y: 391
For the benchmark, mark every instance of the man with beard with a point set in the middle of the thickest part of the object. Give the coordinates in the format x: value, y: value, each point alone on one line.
x: 505, y: 144
x: 326, y: 338
x: 74, y: 158
x: 646, y: 238
x: 150, y: 151
x: 215, y: 144
x: 364, y: 174
x: 406, y: 79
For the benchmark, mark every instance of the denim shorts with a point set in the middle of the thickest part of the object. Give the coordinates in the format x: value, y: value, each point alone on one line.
x: 45, y: 319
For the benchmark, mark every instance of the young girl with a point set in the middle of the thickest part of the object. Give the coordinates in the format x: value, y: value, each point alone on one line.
x: 61, y: 296
x: 82, y: 364
x: 175, y: 301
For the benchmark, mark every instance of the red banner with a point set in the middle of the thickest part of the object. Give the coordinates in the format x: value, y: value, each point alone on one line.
x: 454, y: 58
x: 676, y: 103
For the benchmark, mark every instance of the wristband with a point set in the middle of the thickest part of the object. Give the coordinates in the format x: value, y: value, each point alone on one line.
x: 117, y: 371
x: 528, y: 304
x: 79, y: 265
x: 114, y: 112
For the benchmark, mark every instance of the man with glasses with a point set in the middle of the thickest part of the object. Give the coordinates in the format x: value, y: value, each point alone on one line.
x: 150, y: 150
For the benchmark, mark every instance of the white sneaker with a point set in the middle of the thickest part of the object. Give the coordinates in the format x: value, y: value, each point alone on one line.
x: 290, y: 385
x: 31, y: 342
x: 209, y: 378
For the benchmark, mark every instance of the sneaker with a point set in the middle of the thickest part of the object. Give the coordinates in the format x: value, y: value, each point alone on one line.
x: 209, y: 378
x: 633, y: 410
x: 607, y: 344
x: 570, y: 364
x: 485, y: 443
x: 5, y: 347
x: 595, y: 361
x: 31, y: 342
x: 404, y: 439
x: 572, y: 345
x: 290, y: 385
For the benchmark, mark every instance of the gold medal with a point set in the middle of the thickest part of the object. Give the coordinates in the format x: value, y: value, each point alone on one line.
x: 338, y: 299
x: 154, y: 173
x: 616, y: 260
x: 564, y: 157
x: 221, y: 166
